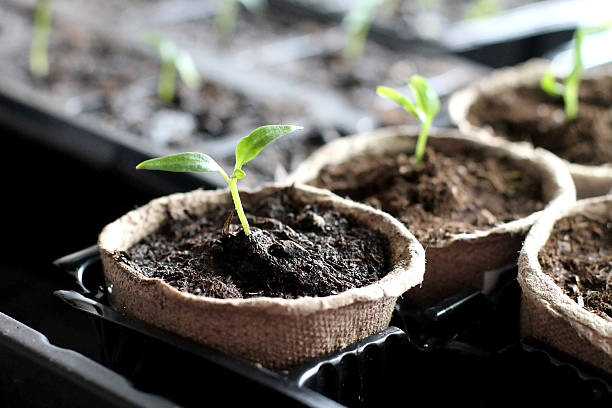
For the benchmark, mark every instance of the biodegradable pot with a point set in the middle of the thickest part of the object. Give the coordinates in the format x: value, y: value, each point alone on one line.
x: 462, y: 261
x: 549, y: 315
x: 274, y: 332
x: 590, y: 181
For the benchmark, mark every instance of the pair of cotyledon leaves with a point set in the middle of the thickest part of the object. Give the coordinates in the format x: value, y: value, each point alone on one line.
x: 427, y: 103
x: 248, y: 148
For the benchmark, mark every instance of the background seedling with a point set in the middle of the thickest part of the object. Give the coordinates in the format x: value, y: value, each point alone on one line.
x: 39, y: 61
x: 172, y: 60
x: 246, y: 150
x: 483, y: 9
x: 568, y: 89
x: 357, y: 22
x: 425, y: 108
x: 227, y: 12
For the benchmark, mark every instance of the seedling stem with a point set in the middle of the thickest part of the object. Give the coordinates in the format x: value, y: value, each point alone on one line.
x: 39, y: 60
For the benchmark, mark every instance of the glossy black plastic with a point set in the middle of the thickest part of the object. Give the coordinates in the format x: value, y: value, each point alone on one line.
x: 465, y: 350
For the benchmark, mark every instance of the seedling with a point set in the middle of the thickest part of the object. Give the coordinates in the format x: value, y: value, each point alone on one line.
x: 425, y: 108
x: 246, y: 150
x: 225, y: 19
x: 357, y: 22
x: 568, y: 89
x: 39, y: 61
x: 173, y: 60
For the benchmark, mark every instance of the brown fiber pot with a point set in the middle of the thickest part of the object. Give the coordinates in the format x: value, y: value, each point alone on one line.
x: 273, y: 332
x: 461, y: 262
x: 549, y: 315
x: 590, y: 181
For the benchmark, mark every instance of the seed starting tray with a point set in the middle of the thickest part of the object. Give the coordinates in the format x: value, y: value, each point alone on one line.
x: 465, y: 350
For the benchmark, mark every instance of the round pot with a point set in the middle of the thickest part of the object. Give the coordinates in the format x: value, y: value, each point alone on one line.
x: 462, y: 261
x: 590, y: 181
x: 273, y: 332
x: 548, y: 314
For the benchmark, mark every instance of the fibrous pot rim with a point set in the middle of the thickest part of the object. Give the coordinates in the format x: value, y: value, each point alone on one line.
x: 528, y: 73
x: 537, y: 284
x: 407, y: 255
x: 557, y: 183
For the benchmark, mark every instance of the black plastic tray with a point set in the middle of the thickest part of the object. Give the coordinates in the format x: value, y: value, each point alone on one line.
x: 465, y: 350
x: 507, y: 38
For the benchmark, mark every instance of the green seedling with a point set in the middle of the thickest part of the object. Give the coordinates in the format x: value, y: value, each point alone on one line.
x: 246, y: 150
x: 357, y: 22
x: 173, y: 60
x: 568, y: 89
x: 39, y: 61
x: 425, y: 108
x: 227, y: 13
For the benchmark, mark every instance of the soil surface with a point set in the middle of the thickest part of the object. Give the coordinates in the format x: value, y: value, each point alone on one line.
x: 529, y: 114
x: 292, y: 251
x: 454, y: 194
x: 578, y: 256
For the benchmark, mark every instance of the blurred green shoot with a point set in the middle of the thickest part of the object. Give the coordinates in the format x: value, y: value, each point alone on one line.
x: 357, y: 22
x: 227, y: 13
x: 568, y: 88
x: 173, y: 60
x: 39, y: 60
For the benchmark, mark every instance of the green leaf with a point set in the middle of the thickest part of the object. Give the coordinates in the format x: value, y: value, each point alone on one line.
x: 396, y: 96
x: 250, y: 146
x: 426, y: 98
x: 165, y: 48
x: 549, y: 84
x: 182, y: 162
x: 187, y: 70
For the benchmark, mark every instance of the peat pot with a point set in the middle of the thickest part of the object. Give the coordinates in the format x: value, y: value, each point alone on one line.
x: 459, y: 255
x: 565, y: 270
x: 510, y: 105
x: 275, y: 332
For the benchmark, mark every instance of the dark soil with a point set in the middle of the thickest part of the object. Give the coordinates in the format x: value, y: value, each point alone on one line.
x: 292, y: 251
x: 578, y: 256
x: 529, y: 114
x: 454, y: 194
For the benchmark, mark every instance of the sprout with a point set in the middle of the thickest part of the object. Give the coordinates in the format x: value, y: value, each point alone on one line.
x: 246, y: 150
x: 569, y: 88
x: 425, y: 109
x: 173, y: 60
x: 357, y: 23
x: 39, y: 61
x: 225, y: 20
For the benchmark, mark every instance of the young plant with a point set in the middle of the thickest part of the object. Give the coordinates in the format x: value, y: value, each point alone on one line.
x: 357, y: 23
x: 173, y: 60
x: 246, y: 150
x: 568, y: 89
x: 425, y: 108
x: 227, y: 13
x: 39, y: 61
